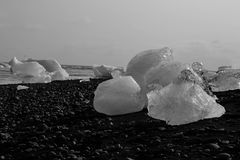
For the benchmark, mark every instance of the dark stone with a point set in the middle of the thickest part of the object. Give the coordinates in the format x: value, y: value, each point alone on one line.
x: 55, y: 121
x: 223, y: 156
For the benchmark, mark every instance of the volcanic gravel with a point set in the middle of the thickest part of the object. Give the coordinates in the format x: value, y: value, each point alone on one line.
x: 57, y: 121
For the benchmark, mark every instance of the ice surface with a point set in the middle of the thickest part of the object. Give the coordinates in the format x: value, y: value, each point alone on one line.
x: 225, y: 80
x: 104, y: 71
x: 37, y: 71
x: 118, y: 96
x: 162, y: 75
x: 27, y: 68
x: 146, y: 60
x: 60, y: 74
x: 21, y: 87
x: 29, y: 72
x: 182, y: 102
x: 53, y: 67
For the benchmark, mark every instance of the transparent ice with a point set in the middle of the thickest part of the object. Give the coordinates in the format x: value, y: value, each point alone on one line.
x: 225, y: 81
x: 182, y: 101
x: 162, y: 75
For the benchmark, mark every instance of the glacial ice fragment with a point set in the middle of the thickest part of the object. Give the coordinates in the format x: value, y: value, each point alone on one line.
x: 182, y: 101
x: 146, y: 60
x: 29, y: 72
x: 53, y: 67
x: 118, y: 96
x: 225, y: 81
x: 27, y: 68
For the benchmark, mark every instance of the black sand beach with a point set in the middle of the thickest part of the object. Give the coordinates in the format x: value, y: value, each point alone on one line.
x: 57, y: 121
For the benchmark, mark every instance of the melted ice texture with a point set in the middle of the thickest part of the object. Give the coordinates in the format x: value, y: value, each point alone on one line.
x: 182, y: 102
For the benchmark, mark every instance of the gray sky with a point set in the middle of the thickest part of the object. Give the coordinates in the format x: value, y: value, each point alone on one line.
x: 110, y: 32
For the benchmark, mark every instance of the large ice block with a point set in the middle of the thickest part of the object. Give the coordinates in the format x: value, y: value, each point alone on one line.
x: 146, y: 60
x: 118, y: 96
x: 182, y: 102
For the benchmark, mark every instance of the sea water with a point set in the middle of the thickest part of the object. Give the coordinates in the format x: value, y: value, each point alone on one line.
x: 75, y: 72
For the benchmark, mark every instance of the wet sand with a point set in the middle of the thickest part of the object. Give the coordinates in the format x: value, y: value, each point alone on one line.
x: 57, y: 121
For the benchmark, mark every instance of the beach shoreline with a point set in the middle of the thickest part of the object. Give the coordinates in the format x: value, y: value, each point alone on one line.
x: 57, y: 121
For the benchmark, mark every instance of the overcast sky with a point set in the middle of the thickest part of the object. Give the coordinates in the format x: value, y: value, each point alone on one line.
x: 110, y: 32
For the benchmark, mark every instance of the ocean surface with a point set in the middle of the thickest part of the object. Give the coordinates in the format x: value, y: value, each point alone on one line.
x: 75, y: 72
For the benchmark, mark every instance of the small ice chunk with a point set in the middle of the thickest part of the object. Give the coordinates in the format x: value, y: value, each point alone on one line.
x: 146, y: 60
x: 116, y: 73
x: 21, y: 87
x: 224, y: 83
x: 53, y: 67
x: 60, y: 74
x: 87, y: 79
x: 105, y: 71
x: 118, y: 96
x: 182, y: 102
x: 27, y: 68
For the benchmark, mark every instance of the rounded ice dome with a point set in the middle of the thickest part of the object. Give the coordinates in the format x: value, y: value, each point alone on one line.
x: 118, y: 96
x: 146, y: 60
x: 51, y: 65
